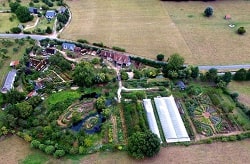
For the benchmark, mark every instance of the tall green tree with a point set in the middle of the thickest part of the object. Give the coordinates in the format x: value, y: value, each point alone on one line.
x: 14, y: 6
x: 25, y: 109
x: 175, y: 62
x: 240, y: 75
x: 143, y: 144
x: 84, y: 74
x: 23, y: 14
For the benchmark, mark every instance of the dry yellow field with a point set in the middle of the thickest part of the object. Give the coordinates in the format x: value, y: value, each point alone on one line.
x: 146, y: 28
x: 14, y: 150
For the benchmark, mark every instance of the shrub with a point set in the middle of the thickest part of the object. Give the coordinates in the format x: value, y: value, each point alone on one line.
x: 209, y: 11
x: 15, y: 30
x: 82, y: 41
x: 59, y: 153
x: 160, y: 57
x: 99, y: 44
x: 119, y: 49
x: 241, y: 30
x: 35, y: 144
x: 49, y: 149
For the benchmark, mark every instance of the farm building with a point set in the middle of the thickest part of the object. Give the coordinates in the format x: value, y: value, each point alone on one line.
x: 151, y: 117
x: 9, y: 81
x: 172, y: 124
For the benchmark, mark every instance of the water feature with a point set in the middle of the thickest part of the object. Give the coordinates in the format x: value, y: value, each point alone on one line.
x: 95, y: 128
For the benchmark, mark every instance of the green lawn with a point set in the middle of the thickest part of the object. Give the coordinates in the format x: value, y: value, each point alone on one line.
x: 35, y: 158
x: 242, y: 119
x: 62, y: 96
x: 5, y: 23
x: 43, y: 24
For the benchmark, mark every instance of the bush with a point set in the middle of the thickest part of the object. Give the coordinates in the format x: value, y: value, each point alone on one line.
x: 99, y: 44
x: 209, y: 11
x: 49, y: 149
x: 119, y: 49
x: 160, y: 57
x: 35, y: 144
x: 82, y: 41
x: 59, y: 153
x: 241, y: 30
x: 15, y: 30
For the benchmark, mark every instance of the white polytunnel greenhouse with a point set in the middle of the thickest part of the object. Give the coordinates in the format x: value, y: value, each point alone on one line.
x: 151, y: 117
x: 171, y: 122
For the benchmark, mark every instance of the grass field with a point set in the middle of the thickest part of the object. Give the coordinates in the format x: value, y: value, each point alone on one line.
x: 147, y: 28
x: 62, y: 96
x: 5, y: 23
x: 15, y: 150
x: 243, y: 88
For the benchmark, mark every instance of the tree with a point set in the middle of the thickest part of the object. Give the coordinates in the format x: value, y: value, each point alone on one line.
x: 48, y: 30
x: 84, y: 74
x: 241, y: 30
x: 13, y: 96
x: 211, y: 75
x: 195, y: 72
x: 209, y: 11
x: 100, y: 103
x: 240, y: 75
x: 143, y: 144
x: 24, y: 109
x: 14, y: 6
x: 160, y: 57
x: 124, y: 75
x: 227, y: 77
x: 15, y: 30
x: 175, y: 62
x: 23, y: 14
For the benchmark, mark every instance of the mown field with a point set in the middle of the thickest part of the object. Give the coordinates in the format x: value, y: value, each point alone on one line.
x: 147, y: 28
x: 15, y: 150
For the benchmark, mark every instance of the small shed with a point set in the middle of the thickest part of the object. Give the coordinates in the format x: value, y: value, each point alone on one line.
x: 227, y: 17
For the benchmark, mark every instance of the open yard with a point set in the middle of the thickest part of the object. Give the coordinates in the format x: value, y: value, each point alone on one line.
x: 235, y: 152
x: 147, y: 28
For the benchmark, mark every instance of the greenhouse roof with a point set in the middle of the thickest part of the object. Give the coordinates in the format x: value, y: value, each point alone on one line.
x: 172, y: 124
x: 151, y: 117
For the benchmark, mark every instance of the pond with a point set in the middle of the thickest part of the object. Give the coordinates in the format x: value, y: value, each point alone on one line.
x: 91, y: 124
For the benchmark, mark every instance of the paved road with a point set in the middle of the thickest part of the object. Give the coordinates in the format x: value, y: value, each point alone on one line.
x: 225, y: 67
x: 20, y: 36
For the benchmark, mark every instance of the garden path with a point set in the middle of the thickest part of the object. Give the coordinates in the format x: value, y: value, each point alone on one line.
x: 32, y: 26
x: 113, y: 119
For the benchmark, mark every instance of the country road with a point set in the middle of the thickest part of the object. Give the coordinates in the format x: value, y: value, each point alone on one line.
x: 220, y: 68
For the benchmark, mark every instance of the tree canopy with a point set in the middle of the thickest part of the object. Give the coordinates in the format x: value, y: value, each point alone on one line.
x: 209, y: 11
x: 23, y: 14
x: 143, y: 144
x: 84, y: 74
x: 175, y: 62
x: 160, y: 57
